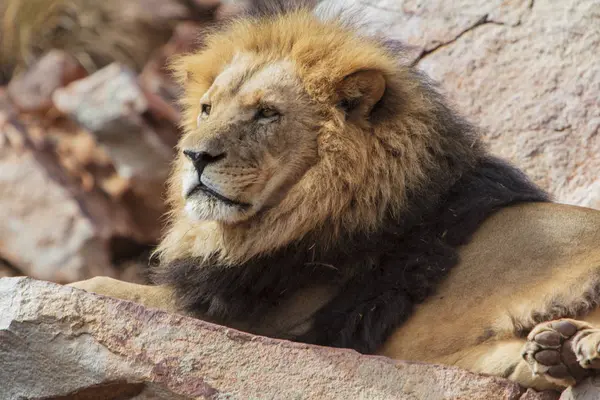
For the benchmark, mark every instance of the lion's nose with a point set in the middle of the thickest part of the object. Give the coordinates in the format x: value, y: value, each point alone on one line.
x: 201, y: 159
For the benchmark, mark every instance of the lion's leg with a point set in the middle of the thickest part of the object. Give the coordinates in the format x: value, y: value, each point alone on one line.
x: 556, y: 354
x: 150, y: 296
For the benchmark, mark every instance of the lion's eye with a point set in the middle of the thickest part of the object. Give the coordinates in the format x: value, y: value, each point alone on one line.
x: 204, y: 112
x: 266, y: 113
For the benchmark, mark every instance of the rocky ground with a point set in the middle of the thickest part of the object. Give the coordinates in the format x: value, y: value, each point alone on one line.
x: 83, y: 158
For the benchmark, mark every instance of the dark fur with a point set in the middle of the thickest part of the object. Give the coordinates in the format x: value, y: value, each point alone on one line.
x: 407, y: 265
x: 382, y: 275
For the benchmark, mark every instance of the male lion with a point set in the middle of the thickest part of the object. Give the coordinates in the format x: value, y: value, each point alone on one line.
x: 323, y: 192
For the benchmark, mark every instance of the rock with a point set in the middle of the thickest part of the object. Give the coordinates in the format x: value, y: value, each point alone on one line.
x: 588, y: 390
x: 159, y: 87
x: 531, y: 394
x: 104, y: 101
x: 158, y: 11
x: 43, y: 230
x: 55, y: 341
x: 229, y: 8
x: 134, y: 272
x: 111, y: 104
x: 534, y: 89
x: 32, y: 91
x: 428, y: 25
x: 157, y: 83
x: 51, y: 228
x: 82, y: 158
x: 101, y: 146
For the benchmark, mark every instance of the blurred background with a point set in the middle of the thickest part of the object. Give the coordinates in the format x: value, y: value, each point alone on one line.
x: 88, y: 117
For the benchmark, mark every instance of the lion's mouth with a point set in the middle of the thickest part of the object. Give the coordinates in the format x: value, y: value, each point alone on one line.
x: 215, y: 195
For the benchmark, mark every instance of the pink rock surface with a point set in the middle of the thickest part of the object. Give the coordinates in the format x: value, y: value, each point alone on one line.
x: 57, y: 341
x: 32, y: 91
x: 534, y: 88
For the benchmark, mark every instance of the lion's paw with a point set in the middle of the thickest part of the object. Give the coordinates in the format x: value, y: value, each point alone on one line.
x: 563, y: 350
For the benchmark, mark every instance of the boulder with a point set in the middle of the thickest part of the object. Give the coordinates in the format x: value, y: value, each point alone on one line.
x: 525, y: 71
x: 32, y: 91
x: 57, y: 342
x: 534, y: 88
x: 426, y: 26
x: 110, y: 104
x: 45, y: 231
x: 588, y: 390
x: 57, y: 221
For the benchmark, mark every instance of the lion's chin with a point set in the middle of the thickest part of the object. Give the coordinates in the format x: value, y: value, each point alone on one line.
x: 203, y: 207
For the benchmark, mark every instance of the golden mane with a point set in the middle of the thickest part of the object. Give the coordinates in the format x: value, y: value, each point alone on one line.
x: 412, y: 144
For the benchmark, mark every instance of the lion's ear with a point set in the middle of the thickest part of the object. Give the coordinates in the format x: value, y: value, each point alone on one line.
x: 359, y: 92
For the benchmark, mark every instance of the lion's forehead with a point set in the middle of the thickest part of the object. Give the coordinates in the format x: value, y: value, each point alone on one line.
x: 251, y: 79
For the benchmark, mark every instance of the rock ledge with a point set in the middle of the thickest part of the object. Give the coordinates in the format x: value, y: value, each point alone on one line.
x: 59, y: 342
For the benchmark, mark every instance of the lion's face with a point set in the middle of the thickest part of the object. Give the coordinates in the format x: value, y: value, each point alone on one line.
x: 254, y: 137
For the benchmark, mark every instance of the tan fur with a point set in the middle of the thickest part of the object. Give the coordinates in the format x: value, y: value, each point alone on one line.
x: 518, y: 264
x: 525, y: 265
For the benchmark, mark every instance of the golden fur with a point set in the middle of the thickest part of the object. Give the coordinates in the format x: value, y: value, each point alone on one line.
x: 357, y: 162
x: 525, y: 266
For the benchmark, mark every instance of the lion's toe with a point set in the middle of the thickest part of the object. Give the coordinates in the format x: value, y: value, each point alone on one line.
x: 587, y: 348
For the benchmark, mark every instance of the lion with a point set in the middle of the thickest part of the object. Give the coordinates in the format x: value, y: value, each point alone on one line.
x: 324, y: 192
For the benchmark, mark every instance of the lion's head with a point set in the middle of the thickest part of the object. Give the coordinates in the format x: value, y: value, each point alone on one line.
x: 295, y: 125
